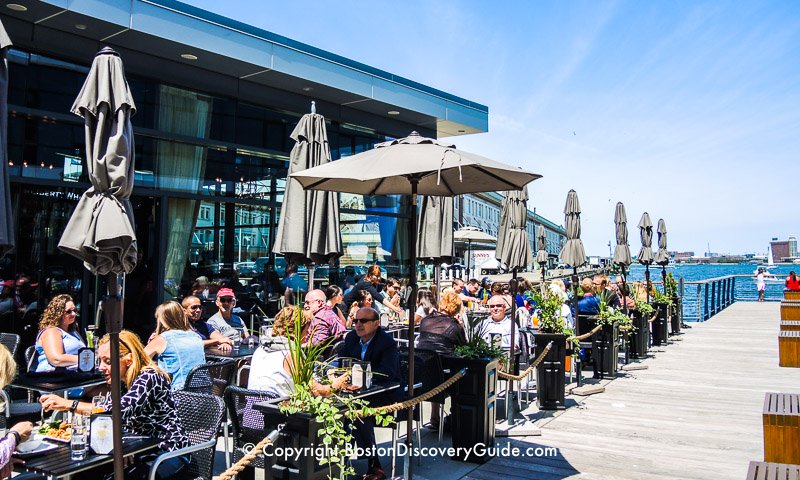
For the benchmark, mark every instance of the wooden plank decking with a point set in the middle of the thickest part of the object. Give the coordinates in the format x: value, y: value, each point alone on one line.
x: 695, y: 413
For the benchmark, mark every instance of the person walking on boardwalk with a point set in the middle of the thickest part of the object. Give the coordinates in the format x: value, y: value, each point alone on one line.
x: 761, y: 285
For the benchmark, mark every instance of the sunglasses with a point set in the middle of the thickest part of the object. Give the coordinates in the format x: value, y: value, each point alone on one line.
x: 364, y: 320
x: 226, y: 300
x: 196, y: 307
x: 497, y: 306
x: 71, y: 310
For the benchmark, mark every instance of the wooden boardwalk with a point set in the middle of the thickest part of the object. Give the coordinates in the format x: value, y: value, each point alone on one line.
x: 694, y: 413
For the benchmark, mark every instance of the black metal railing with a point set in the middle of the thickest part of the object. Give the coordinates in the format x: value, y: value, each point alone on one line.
x: 704, y: 299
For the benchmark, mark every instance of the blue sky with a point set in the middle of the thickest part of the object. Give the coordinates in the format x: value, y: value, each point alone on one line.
x: 687, y: 110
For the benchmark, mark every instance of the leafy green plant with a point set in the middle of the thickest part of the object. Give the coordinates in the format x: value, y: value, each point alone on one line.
x: 670, y: 286
x: 477, y: 346
x: 643, y: 307
x: 661, y: 297
x: 550, y: 318
x: 609, y: 315
x: 330, y: 411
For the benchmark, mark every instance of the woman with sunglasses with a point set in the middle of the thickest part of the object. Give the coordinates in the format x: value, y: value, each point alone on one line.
x: 147, y: 405
x: 58, y: 341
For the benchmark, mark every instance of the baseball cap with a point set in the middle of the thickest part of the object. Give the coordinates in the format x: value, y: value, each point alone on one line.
x: 225, y: 292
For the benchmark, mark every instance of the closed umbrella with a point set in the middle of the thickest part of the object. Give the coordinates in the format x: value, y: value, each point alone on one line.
x: 541, y: 254
x: 308, y: 231
x: 414, y: 166
x: 646, y: 253
x: 662, y: 257
x: 514, y: 250
x: 622, y: 252
x: 435, y: 233
x: 100, y: 231
x: 469, y: 235
x: 572, y: 253
x: 7, y: 221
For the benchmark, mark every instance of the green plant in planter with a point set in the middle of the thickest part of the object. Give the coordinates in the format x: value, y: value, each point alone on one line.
x: 550, y: 318
x: 477, y: 346
x: 661, y: 297
x: 670, y: 286
x: 609, y: 315
x: 330, y: 410
x: 643, y: 307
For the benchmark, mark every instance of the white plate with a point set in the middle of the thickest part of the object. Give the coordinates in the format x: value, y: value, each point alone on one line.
x: 44, y: 447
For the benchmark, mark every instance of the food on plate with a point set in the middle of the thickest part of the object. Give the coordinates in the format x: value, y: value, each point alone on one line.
x: 57, y: 430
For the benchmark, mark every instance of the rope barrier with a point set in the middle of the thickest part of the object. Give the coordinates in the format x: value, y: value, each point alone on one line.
x: 239, y: 466
x: 585, y: 335
x: 655, y: 315
x: 515, y: 378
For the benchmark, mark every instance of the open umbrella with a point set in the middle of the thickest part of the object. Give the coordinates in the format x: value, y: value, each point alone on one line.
x: 572, y: 253
x: 645, y: 256
x: 541, y: 254
x: 435, y: 233
x: 7, y: 221
x: 662, y: 257
x: 514, y: 250
x: 100, y: 231
x: 414, y: 166
x: 469, y: 235
x: 308, y: 231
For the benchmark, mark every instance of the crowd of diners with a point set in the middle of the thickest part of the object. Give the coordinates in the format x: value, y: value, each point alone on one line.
x: 152, y: 370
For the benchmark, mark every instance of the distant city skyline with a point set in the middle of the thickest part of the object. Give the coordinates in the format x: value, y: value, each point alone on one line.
x: 689, y: 111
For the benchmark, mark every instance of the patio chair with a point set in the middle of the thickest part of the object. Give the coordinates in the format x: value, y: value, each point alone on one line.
x: 402, y: 415
x: 211, y: 377
x: 432, y: 375
x: 248, y: 423
x: 30, y: 358
x: 11, y: 342
x: 200, y: 415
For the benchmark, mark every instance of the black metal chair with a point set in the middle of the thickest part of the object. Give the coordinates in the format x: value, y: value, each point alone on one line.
x: 201, y: 415
x: 30, y: 358
x: 10, y: 341
x: 432, y: 375
x: 419, y: 388
x: 211, y: 378
x: 248, y: 423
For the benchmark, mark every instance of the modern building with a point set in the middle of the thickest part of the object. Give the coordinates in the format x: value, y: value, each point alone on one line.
x: 482, y: 210
x: 216, y: 100
x: 781, y: 251
x: 792, y: 246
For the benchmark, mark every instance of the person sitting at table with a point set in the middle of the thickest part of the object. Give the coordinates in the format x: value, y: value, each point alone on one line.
x: 792, y: 283
x: 21, y: 431
x: 193, y: 310
x: 174, y: 345
x: 325, y: 325
x: 588, y: 305
x: 58, y: 341
x: 392, y: 293
x: 486, y: 290
x: 425, y: 305
x: 498, y: 322
x: 442, y: 332
x: 147, y: 405
x: 335, y: 300
x: 362, y: 299
x: 369, y: 342
x: 368, y: 283
x: 225, y: 321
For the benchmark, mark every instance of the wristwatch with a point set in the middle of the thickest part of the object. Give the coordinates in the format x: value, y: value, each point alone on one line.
x: 74, y: 406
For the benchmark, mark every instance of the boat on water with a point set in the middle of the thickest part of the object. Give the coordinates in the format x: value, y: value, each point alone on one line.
x: 768, y: 277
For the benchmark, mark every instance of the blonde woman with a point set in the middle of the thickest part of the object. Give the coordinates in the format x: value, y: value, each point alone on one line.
x: 175, y: 346
x: 19, y: 432
x: 58, y: 341
x: 148, y: 407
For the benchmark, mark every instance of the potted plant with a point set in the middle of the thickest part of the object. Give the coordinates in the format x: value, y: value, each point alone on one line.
x: 550, y: 375
x: 605, y: 345
x: 313, y: 420
x: 474, y: 397
x: 639, y: 336
x: 663, y: 304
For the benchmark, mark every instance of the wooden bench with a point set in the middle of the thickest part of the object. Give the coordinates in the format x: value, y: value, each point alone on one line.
x: 789, y: 349
x: 790, y: 325
x: 790, y: 310
x: 791, y: 295
x: 782, y: 428
x: 772, y: 471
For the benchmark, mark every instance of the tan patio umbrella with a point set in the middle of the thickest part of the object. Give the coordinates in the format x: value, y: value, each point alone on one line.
x: 100, y: 231
x: 622, y: 252
x: 7, y: 220
x: 414, y: 166
x: 662, y: 257
x: 572, y: 253
x: 513, y: 250
x: 469, y: 235
x: 308, y: 231
x: 435, y: 237
x: 645, y: 256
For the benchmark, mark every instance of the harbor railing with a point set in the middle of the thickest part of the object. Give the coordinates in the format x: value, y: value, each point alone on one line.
x: 704, y: 299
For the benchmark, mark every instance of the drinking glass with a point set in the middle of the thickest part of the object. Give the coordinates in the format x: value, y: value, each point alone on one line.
x: 263, y: 333
x: 252, y: 341
x: 77, y: 441
x: 97, y: 404
x: 237, y: 340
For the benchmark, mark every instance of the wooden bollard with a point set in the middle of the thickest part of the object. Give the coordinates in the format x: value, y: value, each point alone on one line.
x: 790, y: 325
x: 781, y: 419
x: 790, y: 310
x: 791, y: 295
x: 789, y: 349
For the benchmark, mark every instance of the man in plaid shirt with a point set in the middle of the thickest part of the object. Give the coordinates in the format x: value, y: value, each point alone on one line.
x: 325, y: 324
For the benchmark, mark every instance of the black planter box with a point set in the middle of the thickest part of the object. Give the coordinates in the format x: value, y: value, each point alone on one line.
x: 299, y: 432
x: 550, y: 375
x: 605, y: 349
x: 474, y: 404
x: 661, y: 324
x: 677, y: 315
x: 640, y: 337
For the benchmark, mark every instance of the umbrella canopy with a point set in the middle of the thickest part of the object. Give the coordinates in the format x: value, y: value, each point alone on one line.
x: 472, y: 234
x: 646, y: 234
x: 662, y: 257
x: 308, y: 231
x: 622, y: 253
x: 438, y: 167
x: 436, y: 229
x: 541, y: 254
x: 6, y: 220
x: 572, y: 253
x: 513, y: 244
x: 100, y: 231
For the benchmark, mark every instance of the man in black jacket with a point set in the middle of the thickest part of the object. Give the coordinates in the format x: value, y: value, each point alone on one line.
x: 370, y: 343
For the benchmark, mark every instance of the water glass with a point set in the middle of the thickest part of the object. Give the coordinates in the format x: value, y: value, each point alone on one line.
x: 237, y: 340
x: 252, y: 341
x: 263, y: 334
x: 80, y: 433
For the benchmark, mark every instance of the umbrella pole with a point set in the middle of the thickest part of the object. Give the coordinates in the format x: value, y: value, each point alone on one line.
x: 412, y: 272
x: 577, y: 323
x: 664, y: 279
x: 647, y: 281
x: 510, y: 387
x: 113, y: 307
x: 469, y: 253
x: 627, y: 313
